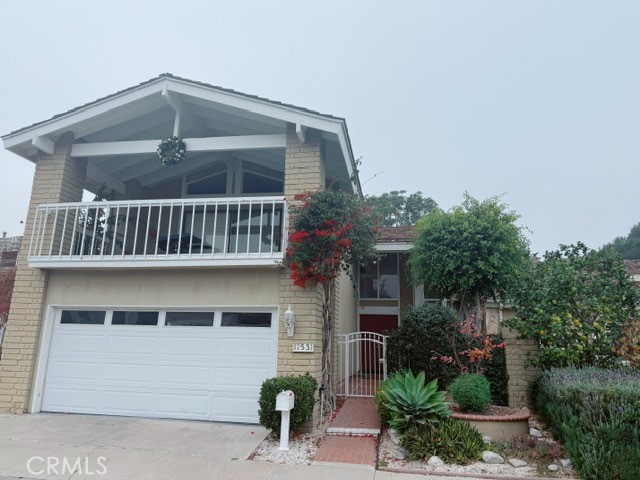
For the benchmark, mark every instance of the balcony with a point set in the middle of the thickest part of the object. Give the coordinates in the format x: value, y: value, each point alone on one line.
x: 248, y: 231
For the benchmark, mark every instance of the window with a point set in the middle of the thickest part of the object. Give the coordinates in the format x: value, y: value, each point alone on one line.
x: 379, y: 279
x: 212, y: 185
x: 134, y: 318
x: 256, y: 183
x: 84, y: 317
x: 189, y: 319
x: 246, y: 319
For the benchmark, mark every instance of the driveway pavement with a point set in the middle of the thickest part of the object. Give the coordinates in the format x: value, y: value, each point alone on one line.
x: 59, y: 446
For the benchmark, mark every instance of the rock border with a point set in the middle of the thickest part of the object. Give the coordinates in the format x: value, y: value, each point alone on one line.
x: 465, y: 475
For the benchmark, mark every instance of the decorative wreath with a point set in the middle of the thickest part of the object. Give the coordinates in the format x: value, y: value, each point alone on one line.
x: 172, y: 151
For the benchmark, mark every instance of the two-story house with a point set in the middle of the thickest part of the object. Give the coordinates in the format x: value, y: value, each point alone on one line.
x: 165, y: 296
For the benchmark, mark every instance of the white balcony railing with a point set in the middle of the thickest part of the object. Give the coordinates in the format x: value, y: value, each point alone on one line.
x: 157, y: 233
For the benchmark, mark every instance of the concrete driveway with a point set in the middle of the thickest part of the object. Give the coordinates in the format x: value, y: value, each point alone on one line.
x: 124, y: 447
x: 59, y: 446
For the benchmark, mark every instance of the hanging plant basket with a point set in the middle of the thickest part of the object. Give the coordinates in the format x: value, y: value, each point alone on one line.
x: 172, y: 151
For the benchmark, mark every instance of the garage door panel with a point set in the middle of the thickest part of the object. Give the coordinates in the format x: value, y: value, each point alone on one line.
x: 239, y: 377
x: 73, y: 370
x: 193, y: 347
x: 235, y: 409
x: 122, y: 401
x: 171, y: 405
x: 131, y: 345
x: 244, y: 346
x: 78, y: 343
x: 69, y: 399
x: 184, y: 375
x: 128, y: 372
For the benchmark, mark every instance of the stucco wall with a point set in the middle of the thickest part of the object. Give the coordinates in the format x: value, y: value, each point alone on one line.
x: 165, y: 287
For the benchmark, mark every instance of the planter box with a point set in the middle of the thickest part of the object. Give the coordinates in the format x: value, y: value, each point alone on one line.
x: 498, y: 427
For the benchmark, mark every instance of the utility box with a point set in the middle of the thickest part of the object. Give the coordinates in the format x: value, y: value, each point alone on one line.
x: 285, y: 401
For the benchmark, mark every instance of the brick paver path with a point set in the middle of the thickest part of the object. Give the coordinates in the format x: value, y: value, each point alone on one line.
x: 359, y: 450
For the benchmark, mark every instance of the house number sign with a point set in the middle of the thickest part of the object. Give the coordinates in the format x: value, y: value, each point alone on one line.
x: 304, y: 347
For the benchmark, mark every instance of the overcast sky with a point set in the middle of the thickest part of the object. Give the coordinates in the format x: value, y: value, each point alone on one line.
x: 536, y: 100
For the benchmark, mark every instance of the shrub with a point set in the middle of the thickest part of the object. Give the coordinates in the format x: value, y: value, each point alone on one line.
x: 412, y: 402
x: 380, y: 398
x: 430, y: 332
x: 454, y: 441
x: 471, y: 392
x: 424, y: 331
x: 303, y: 386
x: 596, y: 415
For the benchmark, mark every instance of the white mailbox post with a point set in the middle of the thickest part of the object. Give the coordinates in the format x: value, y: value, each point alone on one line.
x: 284, y: 404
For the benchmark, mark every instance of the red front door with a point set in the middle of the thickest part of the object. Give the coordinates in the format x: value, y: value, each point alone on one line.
x: 371, y: 353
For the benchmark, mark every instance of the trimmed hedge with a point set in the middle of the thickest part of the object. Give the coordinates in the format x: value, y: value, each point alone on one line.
x: 303, y: 387
x: 595, y: 413
x: 472, y: 392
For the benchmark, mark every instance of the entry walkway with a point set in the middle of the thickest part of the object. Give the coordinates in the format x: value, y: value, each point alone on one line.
x: 352, y: 436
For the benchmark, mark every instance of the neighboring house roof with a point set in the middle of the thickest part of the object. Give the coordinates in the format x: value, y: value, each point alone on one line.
x: 396, y: 238
x: 633, y: 266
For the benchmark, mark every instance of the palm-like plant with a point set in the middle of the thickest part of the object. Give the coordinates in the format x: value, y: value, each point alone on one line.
x: 412, y: 402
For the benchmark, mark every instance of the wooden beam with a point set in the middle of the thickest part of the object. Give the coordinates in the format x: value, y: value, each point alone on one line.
x: 301, y: 131
x: 207, y: 144
x: 43, y: 144
x: 102, y: 177
x: 183, y: 112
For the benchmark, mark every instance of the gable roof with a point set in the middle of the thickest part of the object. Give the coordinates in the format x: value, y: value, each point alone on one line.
x: 183, y: 79
x: 405, y: 234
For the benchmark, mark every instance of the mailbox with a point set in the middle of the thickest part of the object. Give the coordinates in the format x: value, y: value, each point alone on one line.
x: 285, y: 401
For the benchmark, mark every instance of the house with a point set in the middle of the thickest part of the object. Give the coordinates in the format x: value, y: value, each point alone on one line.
x: 165, y: 296
x: 633, y: 268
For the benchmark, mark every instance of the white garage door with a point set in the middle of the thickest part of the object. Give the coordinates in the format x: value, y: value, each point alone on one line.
x: 173, y: 364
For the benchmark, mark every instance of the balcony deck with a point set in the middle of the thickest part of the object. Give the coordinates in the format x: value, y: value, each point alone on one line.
x: 227, y: 231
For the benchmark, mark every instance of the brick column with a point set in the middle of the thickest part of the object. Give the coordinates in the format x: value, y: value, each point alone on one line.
x: 57, y: 178
x: 304, y: 171
x: 520, y: 375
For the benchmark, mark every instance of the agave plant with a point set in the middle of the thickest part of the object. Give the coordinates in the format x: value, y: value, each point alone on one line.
x: 412, y: 402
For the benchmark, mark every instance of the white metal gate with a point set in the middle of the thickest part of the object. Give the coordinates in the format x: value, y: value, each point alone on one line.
x: 362, y: 363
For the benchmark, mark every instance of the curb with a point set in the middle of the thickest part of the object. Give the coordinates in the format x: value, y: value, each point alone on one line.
x: 466, y: 475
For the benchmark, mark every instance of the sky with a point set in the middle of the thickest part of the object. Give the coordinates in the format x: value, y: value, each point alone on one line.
x: 537, y: 101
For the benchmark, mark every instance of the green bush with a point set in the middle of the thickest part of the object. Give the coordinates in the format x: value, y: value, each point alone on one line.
x: 410, y: 401
x: 426, y: 332
x: 423, y: 332
x: 380, y: 398
x: 595, y: 413
x: 454, y: 441
x: 472, y: 392
x: 304, y: 388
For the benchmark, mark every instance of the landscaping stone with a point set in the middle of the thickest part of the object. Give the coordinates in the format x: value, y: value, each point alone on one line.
x: 416, y: 464
x: 566, y: 463
x: 553, y: 467
x: 491, y: 457
x: 487, y: 439
x: 534, y: 432
x: 401, y: 454
x: 435, y: 462
x: 394, y: 436
x: 516, y: 463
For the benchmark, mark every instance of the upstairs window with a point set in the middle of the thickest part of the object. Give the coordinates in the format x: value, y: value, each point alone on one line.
x: 380, y: 279
x: 257, y: 183
x: 211, y: 185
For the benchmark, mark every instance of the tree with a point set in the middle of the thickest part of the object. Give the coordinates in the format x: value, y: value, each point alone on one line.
x: 473, y: 251
x: 628, y: 247
x: 394, y: 209
x: 576, y: 303
x: 332, y: 232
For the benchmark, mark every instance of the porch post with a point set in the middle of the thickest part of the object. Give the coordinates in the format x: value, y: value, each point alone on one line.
x: 58, y: 178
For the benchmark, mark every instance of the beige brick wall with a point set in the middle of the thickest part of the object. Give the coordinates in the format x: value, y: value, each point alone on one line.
x: 57, y: 178
x: 304, y: 171
x: 520, y: 374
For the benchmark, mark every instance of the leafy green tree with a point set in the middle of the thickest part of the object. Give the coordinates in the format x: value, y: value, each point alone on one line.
x: 396, y: 208
x: 474, y: 251
x: 576, y: 303
x: 628, y: 247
